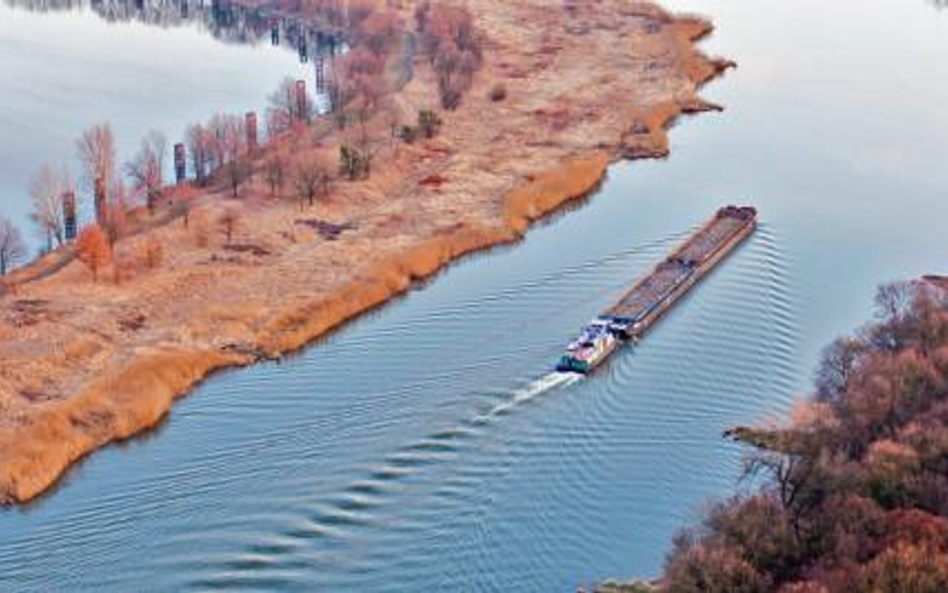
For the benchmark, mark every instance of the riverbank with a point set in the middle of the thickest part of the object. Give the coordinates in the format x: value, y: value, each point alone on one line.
x: 87, y: 364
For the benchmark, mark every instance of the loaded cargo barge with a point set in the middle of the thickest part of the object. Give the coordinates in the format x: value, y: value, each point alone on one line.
x: 654, y: 294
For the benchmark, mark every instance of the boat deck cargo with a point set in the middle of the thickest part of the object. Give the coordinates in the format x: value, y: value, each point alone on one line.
x: 654, y: 294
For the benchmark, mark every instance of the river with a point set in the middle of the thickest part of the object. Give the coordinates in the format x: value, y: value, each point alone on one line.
x: 67, y: 66
x: 425, y: 446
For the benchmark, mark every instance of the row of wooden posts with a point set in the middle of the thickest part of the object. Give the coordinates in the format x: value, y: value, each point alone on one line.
x: 70, y: 208
x: 250, y: 123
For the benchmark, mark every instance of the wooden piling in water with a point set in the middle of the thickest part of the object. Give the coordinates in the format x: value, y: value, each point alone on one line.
x: 320, y: 73
x: 180, y: 163
x: 303, y: 51
x: 302, y: 103
x: 70, y: 225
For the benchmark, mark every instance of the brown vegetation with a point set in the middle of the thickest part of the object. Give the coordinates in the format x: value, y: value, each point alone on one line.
x: 93, y: 250
x: 311, y: 177
x: 229, y: 222
x: 284, y: 282
x: 498, y: 93
x: 856, y: 493
x: 275, y: 173
x: 146, y: 170
x: 198, y: 144
x: 287, y: 108
x: 96, y: 150
x: 454, y: 46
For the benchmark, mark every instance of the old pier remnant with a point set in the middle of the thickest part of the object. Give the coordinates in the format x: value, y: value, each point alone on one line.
x: 320, y: 65
x: 180, y: 164
x: 69, y: 215
x: 302, y: 103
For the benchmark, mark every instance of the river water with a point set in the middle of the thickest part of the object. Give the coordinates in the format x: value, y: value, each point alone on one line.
x: 65, y: 66
x: 427, y: 447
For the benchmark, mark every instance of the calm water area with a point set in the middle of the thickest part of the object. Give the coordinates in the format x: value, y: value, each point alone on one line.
x: 426, y: 446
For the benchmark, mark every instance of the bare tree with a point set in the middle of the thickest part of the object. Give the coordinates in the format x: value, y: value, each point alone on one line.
x: 239, y: 171
x: 229, y: 221
x: 115, y: 223
x: 234, y: 138
x: 283, y: 108
x: 275, y: 171
x: 96, y: 148
x: 311, y: 180
x: 12, y: 247
x: 198, y: 142
x: 146, y: 170
x: 357, y: 82
x: 893, y: 300
x: 216, y: 130
x: 454, y: 47
x: 226, y: 138
x: 182, y: 202
x: 93, y: 250
x: 47, y: 190
x: 836, y: 366
x: 893, y: 305
x: 291, y: 103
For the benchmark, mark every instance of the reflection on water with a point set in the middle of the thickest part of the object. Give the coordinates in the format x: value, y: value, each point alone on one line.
x: 224, y: 20
x: 426, y: 448
x: 140, y: 65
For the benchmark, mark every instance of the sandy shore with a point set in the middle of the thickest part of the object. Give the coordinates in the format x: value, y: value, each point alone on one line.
x: 86, y: 364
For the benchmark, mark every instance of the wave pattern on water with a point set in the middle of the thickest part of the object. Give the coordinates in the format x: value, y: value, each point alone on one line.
x: 439, y: 473
x: 419, y: 496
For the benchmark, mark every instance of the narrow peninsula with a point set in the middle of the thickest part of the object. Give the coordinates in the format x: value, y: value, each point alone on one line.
x: 245, y: 268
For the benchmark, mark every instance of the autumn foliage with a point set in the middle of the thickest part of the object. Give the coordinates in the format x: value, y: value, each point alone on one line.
x: 454, y: 47
x: 93, y: 250
x: 856, y: 488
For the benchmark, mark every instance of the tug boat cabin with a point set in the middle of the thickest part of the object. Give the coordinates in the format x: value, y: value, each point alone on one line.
x: 594, y: 345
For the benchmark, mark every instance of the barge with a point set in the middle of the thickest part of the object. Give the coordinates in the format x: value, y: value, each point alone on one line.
x: 654, y: 294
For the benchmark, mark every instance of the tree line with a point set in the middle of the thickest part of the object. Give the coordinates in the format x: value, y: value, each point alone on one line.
x: 855, y: 489
x: 225, y: 149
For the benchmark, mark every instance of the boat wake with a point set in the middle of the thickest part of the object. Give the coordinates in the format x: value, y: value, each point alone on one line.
x: 555, y: 380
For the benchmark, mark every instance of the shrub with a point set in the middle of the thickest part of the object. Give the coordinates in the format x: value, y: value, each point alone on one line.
x: 229, y: 222
x: 408, y: 134
x: 498, y: 92
x: 429, y: 123
x: 353, y: 164
x: 93, y: 250
x: 454, y: 47
x: 711, y: 567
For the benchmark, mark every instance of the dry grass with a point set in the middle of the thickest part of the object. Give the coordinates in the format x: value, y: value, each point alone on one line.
x: 76, y: 377
x: 547, y: 191
x: 113, y: 408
